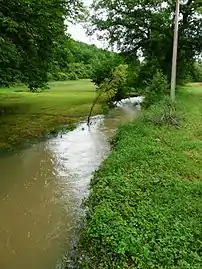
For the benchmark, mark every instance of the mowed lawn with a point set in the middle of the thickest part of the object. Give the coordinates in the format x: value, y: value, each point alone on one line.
x: 25, y: 115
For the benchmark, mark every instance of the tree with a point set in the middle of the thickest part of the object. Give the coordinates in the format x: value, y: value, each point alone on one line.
x: 146, y: 28
x: 105, y: 66
x: 80, y: 60
x: 29, y: 31
x: 196, y: 72
x: 112, y: 88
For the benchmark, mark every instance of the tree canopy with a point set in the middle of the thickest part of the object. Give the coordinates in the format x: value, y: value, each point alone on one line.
x: 29, y: 30
x: 35, y: 46
x: 146, y: 28
x: 77, y: 60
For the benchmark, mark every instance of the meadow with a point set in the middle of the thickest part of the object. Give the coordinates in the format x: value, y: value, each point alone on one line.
x: 25, y: 116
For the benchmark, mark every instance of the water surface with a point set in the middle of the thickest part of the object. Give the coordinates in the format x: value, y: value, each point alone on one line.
x: 41, y: 189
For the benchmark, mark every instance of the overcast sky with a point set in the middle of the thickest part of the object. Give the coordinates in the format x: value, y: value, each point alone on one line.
x: 79, y: 33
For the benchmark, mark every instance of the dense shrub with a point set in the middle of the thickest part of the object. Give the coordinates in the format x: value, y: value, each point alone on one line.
x: 196, y: 74
x: 156, y: 88
x: 104, y: 69
x: 113, y: 88
x: 72, y: 76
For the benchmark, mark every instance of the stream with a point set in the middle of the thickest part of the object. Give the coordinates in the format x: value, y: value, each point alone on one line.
x: 41, y: 190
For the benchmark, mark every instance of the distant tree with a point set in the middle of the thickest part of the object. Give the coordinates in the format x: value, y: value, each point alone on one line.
x: 104, y: 67
x: 196, y: 72
x: 80, y: 60
x: 29, y: 30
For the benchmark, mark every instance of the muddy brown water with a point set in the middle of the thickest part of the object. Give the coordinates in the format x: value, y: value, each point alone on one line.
x: 41, y: 190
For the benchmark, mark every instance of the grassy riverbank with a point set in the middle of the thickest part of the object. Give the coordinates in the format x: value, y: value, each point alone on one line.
x: 25, y: 115
x: 145, y: 202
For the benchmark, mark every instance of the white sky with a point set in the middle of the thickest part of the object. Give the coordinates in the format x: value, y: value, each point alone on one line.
x: 79, y: 33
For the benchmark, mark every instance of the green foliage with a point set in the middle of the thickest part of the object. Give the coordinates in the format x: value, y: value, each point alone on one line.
x: 196, y: 72
x: 72, y: 76
x: 104, y: 68
x: 59, y: 76
x: 113, y: 88
x: 29, y: 31
x: 144, y: 209
x: 157, y: 88
x: 79, y: 70
x: 147, y: 27
x: 79, y: 60
x: 147, y: 71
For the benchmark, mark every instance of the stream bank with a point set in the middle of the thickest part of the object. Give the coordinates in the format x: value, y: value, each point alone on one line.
x: 144, y: 208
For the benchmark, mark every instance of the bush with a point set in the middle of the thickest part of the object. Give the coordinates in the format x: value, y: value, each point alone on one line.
x: 50, y: 76
x: 72, y: 76
x: 114, y: 88
x: 104, y: 69
x: 156, y: 89
x: 197, y: 72
x: 62, y: 76
x: 59, y: 76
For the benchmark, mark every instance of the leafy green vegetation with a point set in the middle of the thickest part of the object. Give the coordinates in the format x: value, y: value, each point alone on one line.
x: 144, y: 209
x: 25, y: 115
x: 157, y: 88
x: 76, y: 60
x: 146, y: 28
x: 196, y: 73
x: 112, y: 89
x: 29, y: 33
x: 35, y: 46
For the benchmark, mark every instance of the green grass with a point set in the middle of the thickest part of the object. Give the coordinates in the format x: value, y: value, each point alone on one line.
x: 25, y: 115
x: 144, y: 210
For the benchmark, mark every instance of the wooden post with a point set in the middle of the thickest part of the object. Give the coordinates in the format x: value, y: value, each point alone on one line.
x: 175, y: 47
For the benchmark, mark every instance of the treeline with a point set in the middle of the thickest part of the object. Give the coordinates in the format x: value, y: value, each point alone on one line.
x: 34, y: 46
x: 76, y: 60
x: 30, y: 32
x: 144, y: 30
x: 35, y: 49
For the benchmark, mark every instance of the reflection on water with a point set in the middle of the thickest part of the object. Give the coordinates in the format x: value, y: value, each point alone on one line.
x: 41, y: 190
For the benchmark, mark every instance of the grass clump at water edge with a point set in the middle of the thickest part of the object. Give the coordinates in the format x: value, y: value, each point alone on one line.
x: 144, y: 210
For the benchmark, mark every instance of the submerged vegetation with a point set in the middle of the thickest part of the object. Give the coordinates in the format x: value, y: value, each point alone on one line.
x: 145, y: 201
x: 25, y: 116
